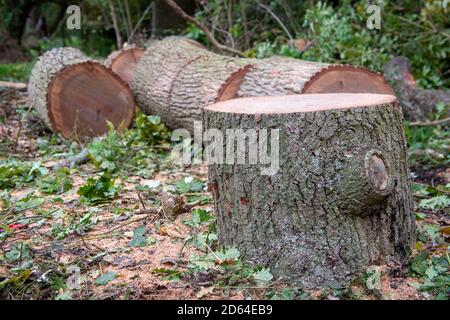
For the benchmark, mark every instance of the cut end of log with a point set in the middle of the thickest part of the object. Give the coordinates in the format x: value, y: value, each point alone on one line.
x: 123, y: 62
x: 347, y: 79
x: 301, y: 103
x: 230, y: 89
x: 84, y: 96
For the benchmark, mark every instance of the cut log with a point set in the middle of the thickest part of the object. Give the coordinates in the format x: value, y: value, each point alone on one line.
x: 418, y: 104
x: 279, y: 76
x: 123, y: 62
x: 339, y: 199
x: 176, y: 78
x: 76, y: 96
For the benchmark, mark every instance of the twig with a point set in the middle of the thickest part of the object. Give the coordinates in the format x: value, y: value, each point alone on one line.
x: 277, y: 19
x: 208, y: 34
x: 130, y: 27
x: 79, y: 158
x: 142, y: 201
x: 429, y: 123
x: 16, y: 141
x: 14, y: 85
x: 115, y: 24
x: 244, y: 24
x: 140, y: 21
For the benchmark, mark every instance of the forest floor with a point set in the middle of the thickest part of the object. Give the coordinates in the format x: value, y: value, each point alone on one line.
x: 145, y: 228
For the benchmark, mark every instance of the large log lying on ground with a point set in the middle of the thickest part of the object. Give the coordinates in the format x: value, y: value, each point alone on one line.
x: 175, y: 78
x: 76, y: 96
x: 417, y: 103
x: 123, y: 62
x: 340, y: 200
x: 279, y: 76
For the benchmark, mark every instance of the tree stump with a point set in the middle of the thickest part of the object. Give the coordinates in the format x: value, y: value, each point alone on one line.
x: 175, y: 78
x: 76, y: 96
x: 123, y: 62
x: 278, y: 76
x: 340, y: 200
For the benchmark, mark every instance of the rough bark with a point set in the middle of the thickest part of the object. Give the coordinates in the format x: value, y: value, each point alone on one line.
x: 417, y: 103
x: 340, y: 200
x: 76, y: 96
x: 279, y: 76
x: 123, y: 62
x: 176, y: 78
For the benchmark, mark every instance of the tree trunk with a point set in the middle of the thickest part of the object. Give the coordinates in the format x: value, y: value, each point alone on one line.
x: 123, y: 62
x: 176, y: 78
x: 279, y: 76
x: 418, y: 104
x: 340, y: 200
x: 76, y: 96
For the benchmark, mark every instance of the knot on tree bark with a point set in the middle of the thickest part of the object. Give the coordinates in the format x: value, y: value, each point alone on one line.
x: 365, y: 183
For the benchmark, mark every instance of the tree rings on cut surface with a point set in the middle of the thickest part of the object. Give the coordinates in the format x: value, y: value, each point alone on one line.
x: 76, y: 96
x: 123, y: 62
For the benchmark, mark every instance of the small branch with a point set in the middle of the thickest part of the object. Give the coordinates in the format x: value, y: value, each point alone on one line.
x: 276, y: 19
x: 116, y: 25
x: 208, y: 34
x: 150, y: 6
x: 13, y: 85
x: 79, y: 158
x: 429, y: 123
x: 129, y: 23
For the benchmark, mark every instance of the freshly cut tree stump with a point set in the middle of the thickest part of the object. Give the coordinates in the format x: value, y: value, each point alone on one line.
x: 77, y: 96
x: 175, y: 78
x: 279, y: 76
x: 340, y: 200
x: 123, y: 62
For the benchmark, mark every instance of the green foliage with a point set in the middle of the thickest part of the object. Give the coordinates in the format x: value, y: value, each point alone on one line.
x: 434, y: 271
x: 17, y: 72
x: 139, y: 240
x: 98, y: 190
x: 19, y: 251
x: 168, y: 274
x: 59, y: 182
x: 75, y: 225
x: 428, y: 146
x: 105, y: 278
x: 188, y: 185
x: 439, y: 202
x: 16, y: 173
x: 130, y: 148
x: 340, y: 35
x: 151, y: 131
x: 108, y: 152
x: 231, y: 269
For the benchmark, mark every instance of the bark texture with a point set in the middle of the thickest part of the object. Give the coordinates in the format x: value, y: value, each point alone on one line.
x: 76, y: 96
x: 278, y: 76
x: 176, y: 78
x: 339, y: 203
